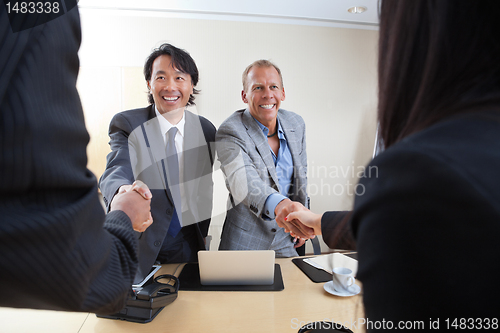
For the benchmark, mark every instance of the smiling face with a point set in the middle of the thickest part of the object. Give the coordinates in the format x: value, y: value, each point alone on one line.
x: 169, y: 86
x: 263, y: 94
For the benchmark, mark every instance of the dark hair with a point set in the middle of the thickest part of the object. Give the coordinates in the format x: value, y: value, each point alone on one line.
x: 437, y: 58
x: 180, y: 60
x: 259, y: 63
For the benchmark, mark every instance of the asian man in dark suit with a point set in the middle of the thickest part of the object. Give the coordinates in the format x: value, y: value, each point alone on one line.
x: 167, y: 148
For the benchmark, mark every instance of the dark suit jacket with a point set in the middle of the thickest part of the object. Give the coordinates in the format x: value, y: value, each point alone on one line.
x: 55, y: 253
x: 138, y: 152
x: 428, y: 224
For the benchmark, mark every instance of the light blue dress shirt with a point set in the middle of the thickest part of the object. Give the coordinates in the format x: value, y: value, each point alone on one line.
x: 284, y: 169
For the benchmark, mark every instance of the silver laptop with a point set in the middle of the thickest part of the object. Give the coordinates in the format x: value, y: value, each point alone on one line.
x: 236, y: 267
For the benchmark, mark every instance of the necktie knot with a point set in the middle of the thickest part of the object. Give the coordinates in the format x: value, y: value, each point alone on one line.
x: 171, y: 133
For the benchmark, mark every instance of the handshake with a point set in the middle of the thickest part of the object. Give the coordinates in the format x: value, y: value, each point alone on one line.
x: 135, y: 201
x: 296, y: 219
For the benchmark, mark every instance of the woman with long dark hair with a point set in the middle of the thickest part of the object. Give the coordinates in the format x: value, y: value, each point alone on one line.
x: 427, y: 227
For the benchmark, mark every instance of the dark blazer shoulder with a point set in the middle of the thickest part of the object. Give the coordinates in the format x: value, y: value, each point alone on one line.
x: 140, y: 113
x: 208, y: 129
x: 130, y: 119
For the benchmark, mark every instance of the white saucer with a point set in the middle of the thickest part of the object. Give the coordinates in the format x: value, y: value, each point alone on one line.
x: 354, y: 290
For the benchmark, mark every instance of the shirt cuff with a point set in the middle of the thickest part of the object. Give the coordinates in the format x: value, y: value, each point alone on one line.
x: 271, y: 202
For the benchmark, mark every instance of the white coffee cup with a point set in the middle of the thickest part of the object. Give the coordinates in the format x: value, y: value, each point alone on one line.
x: 342, y: 279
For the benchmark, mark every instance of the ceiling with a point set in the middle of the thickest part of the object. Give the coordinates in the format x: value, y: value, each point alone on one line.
x: 310, y: 12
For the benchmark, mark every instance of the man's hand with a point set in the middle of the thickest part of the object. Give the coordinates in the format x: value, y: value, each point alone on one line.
x: 135, y: 201
x: 139, y: 187
x: 299, y: 242
x: 296, y: 229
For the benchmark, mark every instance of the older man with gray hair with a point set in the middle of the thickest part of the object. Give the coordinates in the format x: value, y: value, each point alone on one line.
x: 262, y: 150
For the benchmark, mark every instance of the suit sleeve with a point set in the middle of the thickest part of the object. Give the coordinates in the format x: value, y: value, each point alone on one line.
x: 336, y: 230
x: 243, y: 178
x: 118, y: 166
x: 58, y: 248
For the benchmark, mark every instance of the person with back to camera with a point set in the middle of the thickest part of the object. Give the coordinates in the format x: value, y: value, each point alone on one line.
x: 427, y: 227
x: 58, y: 249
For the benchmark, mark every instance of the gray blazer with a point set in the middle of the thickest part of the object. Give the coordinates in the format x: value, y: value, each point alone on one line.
x: 138, y: 152
x: 251, y: 177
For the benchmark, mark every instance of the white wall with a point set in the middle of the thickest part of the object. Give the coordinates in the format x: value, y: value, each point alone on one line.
x: 329, y: 78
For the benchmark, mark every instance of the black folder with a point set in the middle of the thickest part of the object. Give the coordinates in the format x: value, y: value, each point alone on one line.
x: 190, y: 280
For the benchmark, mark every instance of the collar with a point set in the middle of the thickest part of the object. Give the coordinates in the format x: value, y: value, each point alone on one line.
x: 165, y: 125
x: 265, y: 130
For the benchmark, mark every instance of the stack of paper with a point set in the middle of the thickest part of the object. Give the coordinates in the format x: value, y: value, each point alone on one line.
x: 326, y: 262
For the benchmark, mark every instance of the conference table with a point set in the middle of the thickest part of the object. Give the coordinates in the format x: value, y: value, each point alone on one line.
x: 301, y: 302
